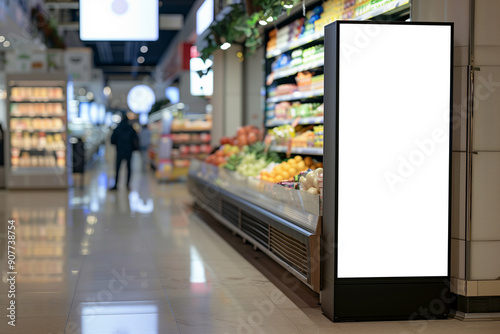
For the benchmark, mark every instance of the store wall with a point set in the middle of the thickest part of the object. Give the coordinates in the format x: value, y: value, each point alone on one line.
x: 485, y: 218
x: 227, y: 101
x: 475, y: 267
x: 197, y: 104
x: 253, y: 82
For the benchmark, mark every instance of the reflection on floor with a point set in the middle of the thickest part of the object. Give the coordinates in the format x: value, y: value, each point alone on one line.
x: 92, y: 261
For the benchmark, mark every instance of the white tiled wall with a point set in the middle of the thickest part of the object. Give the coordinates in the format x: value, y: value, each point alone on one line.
x: 217, y: 99
x: 484, y: 261
x: 458, y: 258
x: 487, y: 24
x: 487, y: 55
x: 456, y: 11
x: 254, y: 80
x: 485, y: 211
x: 485, y: 221
x: 486, y: 119
x: 458, y: 195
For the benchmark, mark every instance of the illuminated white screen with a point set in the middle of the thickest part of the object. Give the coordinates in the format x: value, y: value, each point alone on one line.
x: 119, y: 20
x: 204, y: 16
x: 94, y: 113
x: 393, y: 158
x: 204, y: 85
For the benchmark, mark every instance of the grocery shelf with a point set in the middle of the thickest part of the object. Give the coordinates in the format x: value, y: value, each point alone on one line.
x: 38, y: 130
x: 303, y: 121
x: 298, y: 150
x: 296, y: 96
x: 37, y: 100
x: 383, y: 10
x: 283, y: 73
x: 37, y: 170
x: 295, y: 44
x: 36, y: 149
x: 16, y: 115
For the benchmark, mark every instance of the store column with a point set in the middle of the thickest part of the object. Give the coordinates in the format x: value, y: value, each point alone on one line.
x: 227, y: 100
x: 475, y: 267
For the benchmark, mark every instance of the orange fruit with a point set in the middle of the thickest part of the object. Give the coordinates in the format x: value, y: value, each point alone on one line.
x: 284, y: 165
x: 278, y: 178
x: 301, y: 165
x: 272, y: 175
x: 298, y: 158
x: 285, y: 175
x: 308, y: 161
x: 292, y: 171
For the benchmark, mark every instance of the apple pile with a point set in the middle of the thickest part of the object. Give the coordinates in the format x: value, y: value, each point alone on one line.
x: 245, y: 135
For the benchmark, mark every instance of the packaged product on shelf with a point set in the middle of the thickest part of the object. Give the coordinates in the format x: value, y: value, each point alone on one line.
x: 318, y: 136
x: 282, y: 37
x: 27, y: 141
x: 195, y: 137
x: 317, y: 82
x: 194, y: 149
x: 305, y: 139
x: 205, y: 137
x: 282, y: 133
x: 271, y: 44
x: 281, y: 62
x: 296, y: 58
x: 303, y: 80
x: 58, y: 142
x: 14, y: 161
x: 286, y: 89
x: 295, y: 30
x: 57, y: 123
x: 61, y: 159
x: 281, y: 110
x: 24, y: 160
x: 35, y: 143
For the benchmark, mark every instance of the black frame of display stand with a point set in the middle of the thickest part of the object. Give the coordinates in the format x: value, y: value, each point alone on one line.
x: 367, y: 299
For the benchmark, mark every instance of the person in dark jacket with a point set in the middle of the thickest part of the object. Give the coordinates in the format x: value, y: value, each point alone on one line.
x: 126, y: 140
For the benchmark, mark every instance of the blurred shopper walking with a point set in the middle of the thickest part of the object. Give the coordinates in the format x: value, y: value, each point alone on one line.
x: 126, y: 140
x: 144, y: 142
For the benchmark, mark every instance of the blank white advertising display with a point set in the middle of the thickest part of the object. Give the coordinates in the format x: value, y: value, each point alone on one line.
x: 393, y: 150
x: 119, y: 20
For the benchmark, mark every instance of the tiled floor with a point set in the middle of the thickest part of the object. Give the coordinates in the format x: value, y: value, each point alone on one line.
x: 91, y: 261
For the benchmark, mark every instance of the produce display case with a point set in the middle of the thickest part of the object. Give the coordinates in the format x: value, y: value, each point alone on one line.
x: 283, y: 223
x: 36, y: 139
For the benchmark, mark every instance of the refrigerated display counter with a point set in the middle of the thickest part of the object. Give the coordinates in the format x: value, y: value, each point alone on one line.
x: 283, y: 223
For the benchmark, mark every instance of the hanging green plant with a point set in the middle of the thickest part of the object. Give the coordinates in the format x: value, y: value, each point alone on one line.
x: 239, y: 24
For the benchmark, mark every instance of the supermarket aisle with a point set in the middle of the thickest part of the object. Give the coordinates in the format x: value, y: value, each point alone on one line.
x: 92, y: 261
